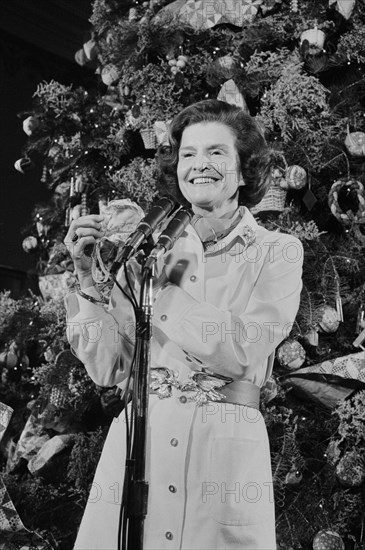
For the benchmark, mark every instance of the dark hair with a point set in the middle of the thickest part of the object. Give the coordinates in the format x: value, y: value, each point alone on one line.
x: 252, y: 150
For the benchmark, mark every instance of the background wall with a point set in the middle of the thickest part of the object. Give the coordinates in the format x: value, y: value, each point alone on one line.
x: 38, y: 41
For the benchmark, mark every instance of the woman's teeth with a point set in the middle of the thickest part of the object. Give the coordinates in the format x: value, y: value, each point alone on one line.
x: 203, y: 180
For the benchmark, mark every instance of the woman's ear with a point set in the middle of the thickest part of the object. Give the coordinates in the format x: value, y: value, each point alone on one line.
x: 242, y: 182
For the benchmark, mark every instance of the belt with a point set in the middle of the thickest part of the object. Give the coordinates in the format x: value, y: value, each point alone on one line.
x: 202, y: 387
x: 241, y: 392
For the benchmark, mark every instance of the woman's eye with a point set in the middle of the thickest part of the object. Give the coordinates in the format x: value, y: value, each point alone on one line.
x: 216, y: 152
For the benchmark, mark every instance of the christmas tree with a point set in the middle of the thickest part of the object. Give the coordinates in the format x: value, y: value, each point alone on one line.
x: 296, y: 66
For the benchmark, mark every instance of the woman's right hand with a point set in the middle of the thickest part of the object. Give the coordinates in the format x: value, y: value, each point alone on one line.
x: 79, y: 240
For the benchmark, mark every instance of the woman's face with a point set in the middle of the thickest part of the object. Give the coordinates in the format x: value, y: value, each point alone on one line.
x: 208, y: 169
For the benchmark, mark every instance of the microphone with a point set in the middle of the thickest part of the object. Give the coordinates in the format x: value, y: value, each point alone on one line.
x: 145, y: 228
x: 169, y: 236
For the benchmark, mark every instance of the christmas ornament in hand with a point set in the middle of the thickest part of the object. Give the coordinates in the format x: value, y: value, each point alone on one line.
x: 291, y: 354
x: 326, y: 539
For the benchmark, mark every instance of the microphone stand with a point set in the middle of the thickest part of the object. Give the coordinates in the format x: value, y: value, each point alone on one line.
x: 137, y: 489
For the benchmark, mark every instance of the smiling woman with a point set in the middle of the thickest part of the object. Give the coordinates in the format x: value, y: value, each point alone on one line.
x: 209, y: 171
x: 229, y: 127
x: 227, y: 297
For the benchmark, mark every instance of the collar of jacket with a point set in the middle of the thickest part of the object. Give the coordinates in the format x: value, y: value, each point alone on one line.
x: 240, y: 238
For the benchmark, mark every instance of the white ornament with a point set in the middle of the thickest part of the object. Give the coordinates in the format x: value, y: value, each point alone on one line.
x: 345, y: 7
x: 315, y: 37
x: 109, y: 74
x: 230, y: 93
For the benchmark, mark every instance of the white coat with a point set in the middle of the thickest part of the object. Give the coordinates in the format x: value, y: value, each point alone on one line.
x: 208, y: 466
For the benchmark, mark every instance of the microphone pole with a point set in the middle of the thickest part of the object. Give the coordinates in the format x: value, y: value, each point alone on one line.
x: 137, y: 486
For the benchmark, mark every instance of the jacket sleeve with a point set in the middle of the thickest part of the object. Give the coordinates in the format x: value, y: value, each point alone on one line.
x: 102, y: 338
x: 225, y: 343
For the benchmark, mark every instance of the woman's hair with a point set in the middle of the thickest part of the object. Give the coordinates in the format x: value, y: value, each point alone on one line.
x: 253, y: 152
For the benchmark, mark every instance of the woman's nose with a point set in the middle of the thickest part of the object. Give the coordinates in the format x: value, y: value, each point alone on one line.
x: 201, y: 161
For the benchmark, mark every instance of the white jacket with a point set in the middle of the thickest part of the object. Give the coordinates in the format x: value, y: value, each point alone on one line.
x: 208, y: 465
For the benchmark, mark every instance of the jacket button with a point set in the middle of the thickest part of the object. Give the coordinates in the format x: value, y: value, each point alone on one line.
x: 172, y: 489
x: 169, y: 535
x: 183, y: 399
x: 174, y: 442
x: 193, y: 278
x: 163, y: 317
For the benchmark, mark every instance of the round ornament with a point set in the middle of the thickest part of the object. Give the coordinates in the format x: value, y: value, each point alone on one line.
x: 23, y: 165
x: 315, y: 37
x: 30, y: 244
x: 109, y: 74
x: 81, y: 58
x: 350, y: 470
x: 181, y: 64
x: 30, y: 124
x: 8, y: 359
x: 295, y: 177
x: 326, y: 539
x: 291, y: 354
x: 311, y: 337
x: 355, y: 143
x: 327, y: 318
x: 345, y: 210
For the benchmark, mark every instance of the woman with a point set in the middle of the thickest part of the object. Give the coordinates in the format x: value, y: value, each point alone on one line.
x: 231, y: 297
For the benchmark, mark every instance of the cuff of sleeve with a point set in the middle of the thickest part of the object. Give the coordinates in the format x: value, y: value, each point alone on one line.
x: 171, y: 306
x: 75, y: 303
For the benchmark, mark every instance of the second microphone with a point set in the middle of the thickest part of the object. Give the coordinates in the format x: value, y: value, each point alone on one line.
x: 169, y: 236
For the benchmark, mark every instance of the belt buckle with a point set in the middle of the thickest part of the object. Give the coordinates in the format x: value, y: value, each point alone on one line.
x: 162, y: 381
x: 202, y: 386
